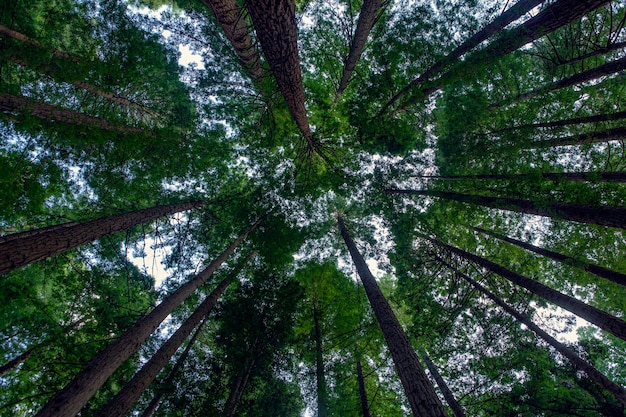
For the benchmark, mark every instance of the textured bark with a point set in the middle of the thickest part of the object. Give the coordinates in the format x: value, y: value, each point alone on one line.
x: 15, y: 362
x: 418, y: 389
x: 602, y: 319
x: 616, y: 133
x: 319, y: 365
x: 367, y: 18
x: 365, y: 407
x: 69, y: 401
x: 553, y: 176
x: 585, y: 265
x: 51, y: 113
x: 21, y: 249
x: 275, y: 24
x: 230, y: 17
x: 568, y: 122
x: 600, y: 215
x: 447, y: 394
x: 578, y: 363
x: 127, y: 396
x: 510, y: 15
x: 6, y: 31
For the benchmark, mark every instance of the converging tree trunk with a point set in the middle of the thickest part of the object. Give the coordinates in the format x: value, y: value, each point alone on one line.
x: 11, y: 33
x: 23, y: 248
x: 365, y: 407
x: 578, y: 363
x: 367, y: 18
x: 319, y: 364
x: 419, y: 391
x: 445, y: 390
x: 598, y: 176
x: 69, y: 401
x: 602, y: 319
x: 600, y: 215
x: 583, y: 264
x: 241, y: 381
x: 616, y: 133
x: 596, y: 118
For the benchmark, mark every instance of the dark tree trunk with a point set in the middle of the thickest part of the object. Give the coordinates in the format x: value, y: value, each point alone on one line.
x: 21, y: 249
x: 616, y: 133
x: 27, y: 40
x: 447, y: 394
x: 232, y: 20
x: 319, y: 365
x: 552, y: 176
x: 15, y: 362
x: 510, y: 15
x: 568, y: 122
x: 240, y: 383
x: 275, y: 24
x: 365, y: 407
x: 602, y: 319
x: 600, y: 215
x: 419, y: 391
x: 69, y: 401
x: 367, y: 18
x: 578, y: 363
x: 585, y: 265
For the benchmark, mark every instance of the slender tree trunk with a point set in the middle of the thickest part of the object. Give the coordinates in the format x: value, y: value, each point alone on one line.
x: 128, y: 396
x: 615, y: 133
x: 578, y: 363
x: 239, y: 385
x: 319, y: 365
x: 365, y: 407
x: 275, y: 24
x: 510, y: 15
x: 21, y: 249
x: 568, y: 122
x: 602, y: 319
x: 19, y: 359
x: 232, y: 20
x: 6, y: 31
x: 600, y: 215
x: 447, y: 394
x: 585, y: 265
x: 367, y: 19
x: 552, y: 176
x: 69, y: 401
x: 419, y: 391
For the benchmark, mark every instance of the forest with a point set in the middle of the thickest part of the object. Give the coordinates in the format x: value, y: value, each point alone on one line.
x: 312, y: 208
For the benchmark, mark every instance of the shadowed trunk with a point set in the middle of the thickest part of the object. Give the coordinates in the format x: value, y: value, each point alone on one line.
x: 367, y: 19
x: 447, y: 394
x: 21, y: 249
x: 15, y: 362
x: 240, y: 383
x: 602, y: 319
x: 418, y: 389
x: 578, y: 363
x: 585, y: 265
x: 230, y: 17
x: 365, y: 407
x: 568, y: 122
x: 69, y: 401
x: 6, y: 31
x: 600, y: 215
x: 616, y: 133
x: 319, y: 365
x: 552, y: 176
x: 274, y: 22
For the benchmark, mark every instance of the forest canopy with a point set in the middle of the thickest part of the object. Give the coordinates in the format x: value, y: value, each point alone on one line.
x: 331, y: 208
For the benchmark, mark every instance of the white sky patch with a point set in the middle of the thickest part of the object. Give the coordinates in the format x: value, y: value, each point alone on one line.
x: 187, y: 57
x: 152, y: 262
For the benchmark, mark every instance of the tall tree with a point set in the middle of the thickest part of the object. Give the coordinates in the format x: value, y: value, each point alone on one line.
x: 445, y: 390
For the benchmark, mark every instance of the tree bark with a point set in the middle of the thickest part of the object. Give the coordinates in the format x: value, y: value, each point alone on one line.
x: 69, y: 401
x: 319, y: 365
x: 552, y: 176
x: 239, y: 385
x: 275, y: 24
x: 367, y: 19
x: 19, y: 359
x: 568, y: 122
x: 445, y: 390
x: 232, y: 20
x: 600, y: 215
x: 6, y: 31
x: 21, y: 249
x: 365, y: 407
x: 419, y: 391
x: 602, y: 319
x: 585, y: 265
x: 126, y: 398
x: 578, y: 363
x: 616, y: 133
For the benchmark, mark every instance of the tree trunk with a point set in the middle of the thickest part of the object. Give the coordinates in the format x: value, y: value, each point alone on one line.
x: 27, y: 40
x: 19, y: 359
x: 568, y: 122
x: 365, y: 407
x: 447, y: 394
x: 585, y: 265
x: 510, y: 15
x: 239, y: 385
x: 275, y: 24
x: 367, y: 19
x: 233, y: 22
x: 616, y: 133
x: 419, y: 391
x: 69, y: 401
x: 319, y: 365
x: 552, y: 176
x: 600, y: 215
x: 578, y: 363
x: 126, y: 398
x: 21, y: 249
x: 602, y: 319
